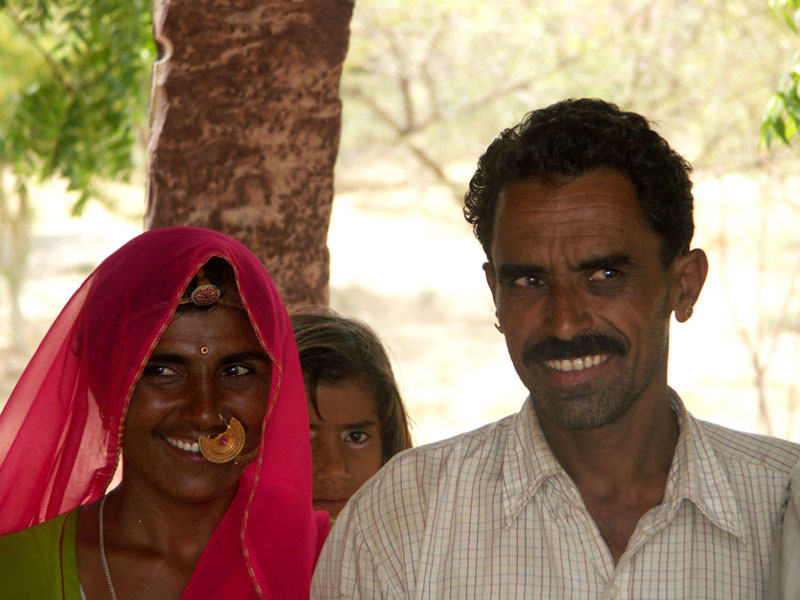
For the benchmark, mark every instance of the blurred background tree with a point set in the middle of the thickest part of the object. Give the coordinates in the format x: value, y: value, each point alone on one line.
x: 429, y: 84
x: 73, y: 105
x: 426, y: 87
x: 783, y: 112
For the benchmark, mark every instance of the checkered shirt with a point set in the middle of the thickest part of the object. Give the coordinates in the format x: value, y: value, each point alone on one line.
x: 491, y: 514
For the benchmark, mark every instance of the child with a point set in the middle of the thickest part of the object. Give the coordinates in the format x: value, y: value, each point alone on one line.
x: 356, y: 416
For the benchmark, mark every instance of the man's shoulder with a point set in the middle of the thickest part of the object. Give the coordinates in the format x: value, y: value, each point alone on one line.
x: 419, y: 477
x: 479, y: 445
x: 751, y: 449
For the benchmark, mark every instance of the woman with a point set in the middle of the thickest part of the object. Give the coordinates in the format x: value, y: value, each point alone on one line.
x: 190, y: 376
x: 356, y: 415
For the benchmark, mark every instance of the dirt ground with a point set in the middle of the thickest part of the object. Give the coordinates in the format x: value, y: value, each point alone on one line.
x: 405, y: 261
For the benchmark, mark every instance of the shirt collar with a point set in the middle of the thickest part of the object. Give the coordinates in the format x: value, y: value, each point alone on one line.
x: 527, y: 463
x: 695, y: 475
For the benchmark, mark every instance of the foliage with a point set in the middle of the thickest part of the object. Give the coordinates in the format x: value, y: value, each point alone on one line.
x: 430, y: 84
x: 427, y: 85
x: 782, y: 119
x: 73, y: 103
x: 79, y: 110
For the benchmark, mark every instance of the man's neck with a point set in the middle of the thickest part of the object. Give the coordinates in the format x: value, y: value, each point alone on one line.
x: 638, y: 445
x: 619, y: 469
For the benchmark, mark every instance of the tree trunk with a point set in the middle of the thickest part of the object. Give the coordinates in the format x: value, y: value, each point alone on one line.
x: 16, y: 216
x: 245, y: 120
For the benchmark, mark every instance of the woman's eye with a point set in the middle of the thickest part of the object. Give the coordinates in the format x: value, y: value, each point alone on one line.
x: 159, y: 371
x: 603, y: 275
x: 236, y: 371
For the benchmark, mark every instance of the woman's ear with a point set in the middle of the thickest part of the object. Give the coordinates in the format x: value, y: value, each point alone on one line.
x: 687, y: 276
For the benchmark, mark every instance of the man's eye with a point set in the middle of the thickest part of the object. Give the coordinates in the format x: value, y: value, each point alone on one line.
x: 603, y: 274
x: 236, y: 371
x: 529, y: 281
x: 358, y: 438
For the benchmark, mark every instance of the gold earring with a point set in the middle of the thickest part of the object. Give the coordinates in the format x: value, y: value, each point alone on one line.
x: 245, y: 459
x: 688, y: 312
x: 226, y: 446
x: 497, y: 326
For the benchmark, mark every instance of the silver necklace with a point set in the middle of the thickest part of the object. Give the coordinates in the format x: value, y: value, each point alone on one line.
x: 103, y: 552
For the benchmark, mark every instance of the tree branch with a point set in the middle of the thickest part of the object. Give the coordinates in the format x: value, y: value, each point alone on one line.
x: 58, y: 74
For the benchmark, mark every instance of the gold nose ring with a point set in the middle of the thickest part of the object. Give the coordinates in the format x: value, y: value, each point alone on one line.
x: 226, y: 446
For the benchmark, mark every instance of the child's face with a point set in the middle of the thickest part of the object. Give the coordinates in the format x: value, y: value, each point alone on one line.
x: 345, y: 443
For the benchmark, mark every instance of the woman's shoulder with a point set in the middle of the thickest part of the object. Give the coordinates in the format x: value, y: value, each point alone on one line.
x: 35, y: 561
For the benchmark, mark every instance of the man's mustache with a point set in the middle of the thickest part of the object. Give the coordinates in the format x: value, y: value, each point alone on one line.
x: 587, y: 344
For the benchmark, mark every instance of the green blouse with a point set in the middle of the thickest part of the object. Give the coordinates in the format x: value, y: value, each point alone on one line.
x: 40, y: 562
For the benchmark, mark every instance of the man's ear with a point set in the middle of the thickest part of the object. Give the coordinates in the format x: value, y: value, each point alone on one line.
x: 687, y: 276
x: 488, y: 270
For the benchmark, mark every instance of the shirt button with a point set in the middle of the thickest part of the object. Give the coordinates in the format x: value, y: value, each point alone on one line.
x: 612, y: 593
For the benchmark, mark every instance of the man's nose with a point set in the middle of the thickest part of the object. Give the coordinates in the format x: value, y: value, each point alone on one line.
x: 566, y: 312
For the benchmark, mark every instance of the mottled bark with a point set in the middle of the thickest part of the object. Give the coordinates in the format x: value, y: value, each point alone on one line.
x: 245, y: 119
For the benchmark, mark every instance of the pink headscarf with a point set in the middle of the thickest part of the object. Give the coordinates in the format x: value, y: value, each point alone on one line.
x: 61, y: 431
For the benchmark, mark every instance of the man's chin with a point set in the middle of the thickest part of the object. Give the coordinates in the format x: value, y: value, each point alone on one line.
x: 579, y: 408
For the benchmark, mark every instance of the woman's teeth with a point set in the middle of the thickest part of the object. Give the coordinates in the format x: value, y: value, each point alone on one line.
x: 183, y: 445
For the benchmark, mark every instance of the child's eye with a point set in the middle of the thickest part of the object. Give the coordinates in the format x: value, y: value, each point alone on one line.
x: 358, y: 438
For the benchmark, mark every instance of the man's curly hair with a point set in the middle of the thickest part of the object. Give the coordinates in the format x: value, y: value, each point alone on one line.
x: 572, y: 138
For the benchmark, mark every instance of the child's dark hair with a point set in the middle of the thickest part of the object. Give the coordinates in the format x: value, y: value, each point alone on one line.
x: 334, y: 349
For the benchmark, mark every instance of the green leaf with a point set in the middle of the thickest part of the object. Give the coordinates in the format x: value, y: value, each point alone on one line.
x: 80, y: 90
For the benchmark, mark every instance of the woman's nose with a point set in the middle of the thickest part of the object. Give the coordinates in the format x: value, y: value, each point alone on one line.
x: 201, y: 403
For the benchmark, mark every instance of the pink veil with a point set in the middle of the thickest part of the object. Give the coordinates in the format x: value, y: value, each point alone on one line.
x: 60, y: 433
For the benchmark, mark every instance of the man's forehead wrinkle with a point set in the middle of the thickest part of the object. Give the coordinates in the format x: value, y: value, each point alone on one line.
x: 581, y: 192
x: 559, y: 228
x: 563, y: 224
x: 592, y: 212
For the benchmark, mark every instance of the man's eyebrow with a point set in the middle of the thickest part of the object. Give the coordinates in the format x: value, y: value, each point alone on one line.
x: 609, y: 261
x: 516, y: 270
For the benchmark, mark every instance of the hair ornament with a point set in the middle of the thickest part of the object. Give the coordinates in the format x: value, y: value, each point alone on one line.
x: 206, y: 294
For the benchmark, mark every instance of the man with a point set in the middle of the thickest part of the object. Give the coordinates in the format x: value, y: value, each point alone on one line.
x: 603, y: 485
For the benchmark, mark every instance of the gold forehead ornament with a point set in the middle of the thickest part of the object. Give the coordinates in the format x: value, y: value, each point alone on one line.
x: 206, y: 294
